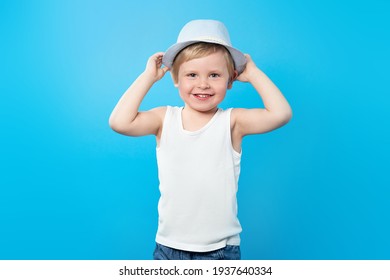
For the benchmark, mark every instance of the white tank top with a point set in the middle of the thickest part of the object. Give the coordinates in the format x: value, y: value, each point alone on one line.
x: 198, y: 173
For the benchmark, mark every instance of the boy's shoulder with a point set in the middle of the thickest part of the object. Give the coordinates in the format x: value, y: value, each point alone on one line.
x: 159, y: 111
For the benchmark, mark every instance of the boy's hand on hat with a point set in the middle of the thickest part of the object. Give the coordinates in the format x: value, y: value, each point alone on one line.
x: 153, y: 67
x: 249, y: 70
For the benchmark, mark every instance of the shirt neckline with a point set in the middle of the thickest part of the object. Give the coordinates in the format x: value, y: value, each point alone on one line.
x: 205, y: 127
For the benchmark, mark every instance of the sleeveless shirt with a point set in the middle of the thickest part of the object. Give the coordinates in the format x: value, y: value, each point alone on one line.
x: 198, y: 173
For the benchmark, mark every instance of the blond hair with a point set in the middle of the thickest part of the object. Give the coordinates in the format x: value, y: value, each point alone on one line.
x: 199, y: 50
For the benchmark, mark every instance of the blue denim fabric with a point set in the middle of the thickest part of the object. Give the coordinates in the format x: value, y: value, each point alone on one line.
x: 166, y: 253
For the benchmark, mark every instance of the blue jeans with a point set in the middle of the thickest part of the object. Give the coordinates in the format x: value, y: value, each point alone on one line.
x: 166, y: 253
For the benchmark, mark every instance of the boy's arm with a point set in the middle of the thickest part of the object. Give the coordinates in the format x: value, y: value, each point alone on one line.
x: 276, y: 113
x: 125, y: 118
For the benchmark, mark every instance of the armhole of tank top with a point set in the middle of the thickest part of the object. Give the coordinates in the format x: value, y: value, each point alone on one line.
x: 230, y: 143
x: 167, y: 116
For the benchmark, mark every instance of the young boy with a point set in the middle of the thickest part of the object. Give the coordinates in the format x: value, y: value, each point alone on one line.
x: 199, y: 144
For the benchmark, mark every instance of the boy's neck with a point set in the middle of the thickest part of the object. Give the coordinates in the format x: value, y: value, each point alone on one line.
x: 193, y: 120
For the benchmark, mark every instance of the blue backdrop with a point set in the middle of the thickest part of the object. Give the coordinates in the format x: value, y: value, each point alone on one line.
x: 71, y: 188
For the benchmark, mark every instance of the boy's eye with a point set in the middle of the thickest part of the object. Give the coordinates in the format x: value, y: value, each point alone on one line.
x: 214, y: 75
x: 191, y: 75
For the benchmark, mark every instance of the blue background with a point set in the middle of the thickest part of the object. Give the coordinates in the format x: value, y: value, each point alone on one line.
x: 71, y: 188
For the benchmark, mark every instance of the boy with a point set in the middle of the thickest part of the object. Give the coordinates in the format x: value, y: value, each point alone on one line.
x: 199, y: 145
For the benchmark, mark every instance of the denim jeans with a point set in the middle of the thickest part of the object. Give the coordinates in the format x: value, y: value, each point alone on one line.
x: 229, y: 252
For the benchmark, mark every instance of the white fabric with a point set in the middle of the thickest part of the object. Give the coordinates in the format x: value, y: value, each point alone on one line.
x: 198, y: 173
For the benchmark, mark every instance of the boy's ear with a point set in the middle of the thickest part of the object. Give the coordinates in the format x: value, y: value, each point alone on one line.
x: 175, y: 83
x: 230, y: 84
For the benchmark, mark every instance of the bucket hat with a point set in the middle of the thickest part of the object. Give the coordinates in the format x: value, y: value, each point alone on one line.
x: 209, y: 31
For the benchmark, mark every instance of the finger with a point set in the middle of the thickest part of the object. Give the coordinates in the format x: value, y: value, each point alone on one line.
x: 159, y: 55
x: 248, y: 57
x: 165, y: 69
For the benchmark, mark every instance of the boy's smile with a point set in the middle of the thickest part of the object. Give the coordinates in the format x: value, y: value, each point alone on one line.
x: 202, y: 96
x: 202, y: 82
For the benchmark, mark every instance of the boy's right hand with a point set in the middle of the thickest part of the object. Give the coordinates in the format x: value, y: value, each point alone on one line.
x: 126, y: 117
x: 153, y: 67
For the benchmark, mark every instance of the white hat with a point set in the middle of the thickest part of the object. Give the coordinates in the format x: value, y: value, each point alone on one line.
x: 209, y: 31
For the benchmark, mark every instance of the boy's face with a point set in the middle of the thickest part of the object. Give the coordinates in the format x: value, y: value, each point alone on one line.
x: 203, y: 82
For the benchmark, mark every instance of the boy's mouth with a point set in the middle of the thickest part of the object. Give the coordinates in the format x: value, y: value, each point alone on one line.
x: 202, y: 96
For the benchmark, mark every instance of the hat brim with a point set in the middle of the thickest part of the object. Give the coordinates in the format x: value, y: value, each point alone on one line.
x: 238, y: 57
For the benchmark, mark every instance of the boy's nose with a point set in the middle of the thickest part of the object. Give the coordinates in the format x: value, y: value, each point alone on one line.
x: 203, y: 84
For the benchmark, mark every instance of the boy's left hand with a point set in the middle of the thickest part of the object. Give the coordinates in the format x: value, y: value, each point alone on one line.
x: 249, y: 70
